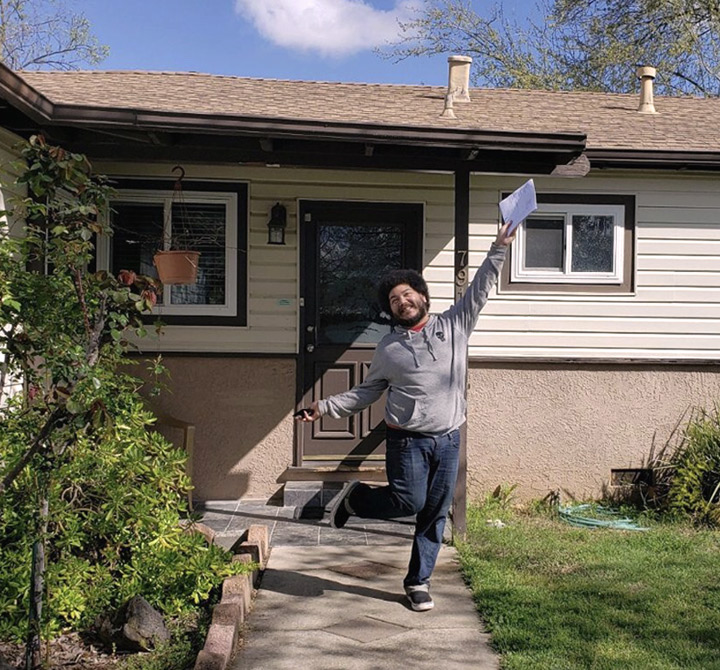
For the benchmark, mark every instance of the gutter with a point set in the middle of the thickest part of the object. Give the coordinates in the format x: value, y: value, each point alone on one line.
x: 222, y: 124
x: 654, y: 159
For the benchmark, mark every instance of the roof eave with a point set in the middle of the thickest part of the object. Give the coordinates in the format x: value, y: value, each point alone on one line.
x: 224, y: 124
x: 24, y: 97
x: 654, y: 159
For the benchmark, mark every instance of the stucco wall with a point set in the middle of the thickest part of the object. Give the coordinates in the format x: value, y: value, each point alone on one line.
x: 548, y: 427
x: 541, y: 426
x: 241, y: 408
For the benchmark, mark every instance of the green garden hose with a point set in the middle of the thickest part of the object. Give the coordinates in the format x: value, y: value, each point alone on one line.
x: 573, y: 514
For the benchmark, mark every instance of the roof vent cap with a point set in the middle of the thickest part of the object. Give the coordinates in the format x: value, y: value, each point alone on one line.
x: 459, y: 78
x: 646, y: 75
x: 448, y: 111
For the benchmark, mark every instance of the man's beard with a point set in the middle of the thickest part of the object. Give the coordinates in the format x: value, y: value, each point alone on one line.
x: 413, y: 321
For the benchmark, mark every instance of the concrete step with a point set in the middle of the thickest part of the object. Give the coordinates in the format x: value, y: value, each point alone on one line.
x: 311, y: 489
x: 310, y: 498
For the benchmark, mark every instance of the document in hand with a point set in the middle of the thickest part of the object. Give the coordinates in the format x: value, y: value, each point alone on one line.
x: 519, y: 204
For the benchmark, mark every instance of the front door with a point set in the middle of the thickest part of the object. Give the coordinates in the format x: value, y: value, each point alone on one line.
x: 345, y: 248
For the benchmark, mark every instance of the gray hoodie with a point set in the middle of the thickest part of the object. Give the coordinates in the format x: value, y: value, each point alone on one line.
x: 424, y: 371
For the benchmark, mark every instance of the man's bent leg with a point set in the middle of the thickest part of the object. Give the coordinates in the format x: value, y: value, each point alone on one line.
x: 431, y: 518
x: 407, y: 464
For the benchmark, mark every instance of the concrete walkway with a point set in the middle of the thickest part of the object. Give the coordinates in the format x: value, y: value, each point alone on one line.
x: 333, y: 600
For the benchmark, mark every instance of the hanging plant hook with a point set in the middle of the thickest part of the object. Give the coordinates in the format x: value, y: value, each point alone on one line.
x: 182, y: 174
x: 184, y: 237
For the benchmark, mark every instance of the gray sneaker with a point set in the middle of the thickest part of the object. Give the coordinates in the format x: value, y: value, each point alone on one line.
x: 341, y: 511
x: 419, y: 597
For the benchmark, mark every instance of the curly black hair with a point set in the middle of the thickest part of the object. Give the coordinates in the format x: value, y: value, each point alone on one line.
x: 396, y: 277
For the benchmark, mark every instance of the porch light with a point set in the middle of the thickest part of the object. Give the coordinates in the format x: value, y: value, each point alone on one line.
x: 277, y: 224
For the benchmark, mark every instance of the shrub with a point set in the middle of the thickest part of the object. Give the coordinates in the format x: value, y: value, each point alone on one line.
x: 694, y: 470
x: 114, y: 531
x: 90, y: 498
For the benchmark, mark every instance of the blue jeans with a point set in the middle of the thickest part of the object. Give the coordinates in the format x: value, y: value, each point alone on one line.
x: 421, y: 472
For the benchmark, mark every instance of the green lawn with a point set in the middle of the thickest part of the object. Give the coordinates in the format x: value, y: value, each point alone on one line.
x: 557, y: 597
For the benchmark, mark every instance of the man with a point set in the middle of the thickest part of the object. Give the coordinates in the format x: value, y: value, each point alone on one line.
x: 422, y: 363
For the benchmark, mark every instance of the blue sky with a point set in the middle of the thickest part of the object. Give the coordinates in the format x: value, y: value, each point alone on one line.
x: 326, y: 40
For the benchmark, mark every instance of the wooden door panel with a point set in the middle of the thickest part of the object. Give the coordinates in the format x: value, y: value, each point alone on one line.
x: 331, y: 380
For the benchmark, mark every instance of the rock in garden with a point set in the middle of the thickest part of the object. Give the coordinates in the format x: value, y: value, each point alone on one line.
x: 137, y: 626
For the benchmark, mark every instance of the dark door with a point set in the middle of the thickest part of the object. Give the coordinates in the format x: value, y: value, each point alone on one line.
x: 345, y: 247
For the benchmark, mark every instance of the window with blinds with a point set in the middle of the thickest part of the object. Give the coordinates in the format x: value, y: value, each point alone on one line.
x: 144, y: 222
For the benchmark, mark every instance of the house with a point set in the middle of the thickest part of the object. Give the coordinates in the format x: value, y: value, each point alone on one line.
x: 603, y: 330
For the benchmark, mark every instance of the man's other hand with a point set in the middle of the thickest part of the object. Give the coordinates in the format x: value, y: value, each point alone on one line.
x: 308, y: 414
x: 504, y: 238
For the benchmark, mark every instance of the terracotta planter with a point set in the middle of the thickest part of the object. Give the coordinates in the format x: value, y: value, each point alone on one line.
x: 177, y: 267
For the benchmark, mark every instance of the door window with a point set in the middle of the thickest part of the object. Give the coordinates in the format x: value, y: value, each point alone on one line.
x: 351, y: 259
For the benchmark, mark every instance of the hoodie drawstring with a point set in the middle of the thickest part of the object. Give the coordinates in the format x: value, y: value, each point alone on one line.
x: 405, y: 336
x: 428, y: 343
x: 405, y: 340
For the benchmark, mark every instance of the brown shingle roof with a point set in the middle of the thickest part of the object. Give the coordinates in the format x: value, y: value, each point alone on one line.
x: 609, y: 120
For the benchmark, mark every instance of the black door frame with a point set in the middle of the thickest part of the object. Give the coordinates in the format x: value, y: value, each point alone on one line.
x: 354, y: 211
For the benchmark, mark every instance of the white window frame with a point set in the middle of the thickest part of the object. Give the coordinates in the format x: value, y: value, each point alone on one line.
x: 166, y: 198
x: 519, y: 273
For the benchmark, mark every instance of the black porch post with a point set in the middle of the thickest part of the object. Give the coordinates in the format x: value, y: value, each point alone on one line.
x: 462, y: 222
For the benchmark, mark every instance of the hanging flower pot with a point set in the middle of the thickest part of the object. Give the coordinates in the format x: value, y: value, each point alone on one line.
x: 177, y: 267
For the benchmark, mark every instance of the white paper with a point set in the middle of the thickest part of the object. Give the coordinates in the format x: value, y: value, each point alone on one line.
x: 519, y: 204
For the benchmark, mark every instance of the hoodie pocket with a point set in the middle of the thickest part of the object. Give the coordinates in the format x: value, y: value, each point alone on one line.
x: 400, y: 408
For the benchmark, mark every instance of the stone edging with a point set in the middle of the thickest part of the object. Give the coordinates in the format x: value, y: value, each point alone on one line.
x: 234, y: 606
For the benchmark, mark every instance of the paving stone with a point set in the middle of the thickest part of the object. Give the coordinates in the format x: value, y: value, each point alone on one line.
x: 309, y: 512
x: 303, y: 494
x: 344, y: 536
x: 301, y: 535
x: 363, y: 569
x: 307, y: 615
x: 218, y: 522
x: 285, y: 513
x: 239, y: 523
x: 258, y: 534
x: 365, y: 629
x: 239, y: 588
x: 216, y: 506
x: 221, y: 641
x: 225, y: 540
x: 210, y: 661
x: 228, y: 613
x: 248, y: 548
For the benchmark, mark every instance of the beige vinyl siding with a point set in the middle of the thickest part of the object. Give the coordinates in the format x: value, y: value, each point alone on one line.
x: 8, y: 191
x: 9, y: 169
x: 674, y: 311
x: 273, y: 271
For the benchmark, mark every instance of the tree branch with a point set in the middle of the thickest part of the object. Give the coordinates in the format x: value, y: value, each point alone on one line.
x: 34, y: 448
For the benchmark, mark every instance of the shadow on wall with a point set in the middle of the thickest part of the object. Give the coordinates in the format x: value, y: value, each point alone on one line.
x: 241, y: 411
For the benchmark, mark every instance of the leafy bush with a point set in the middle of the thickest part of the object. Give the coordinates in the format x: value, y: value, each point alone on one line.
x: 87, y: 488
x: 114, y: 531
x: 694, y: 470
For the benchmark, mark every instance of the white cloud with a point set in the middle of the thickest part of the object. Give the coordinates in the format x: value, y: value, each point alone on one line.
x: 329, y: 27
